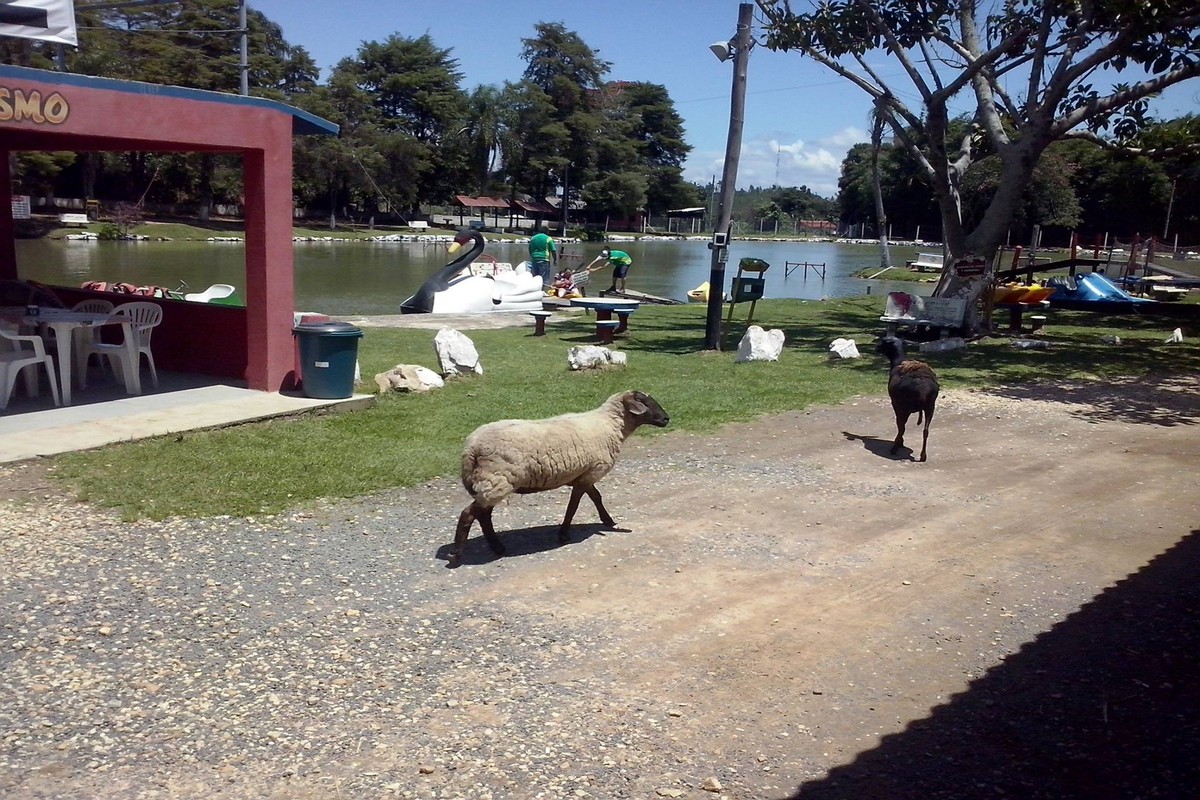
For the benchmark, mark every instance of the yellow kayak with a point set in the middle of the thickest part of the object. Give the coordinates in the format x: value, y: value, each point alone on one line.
x: 699, y: 294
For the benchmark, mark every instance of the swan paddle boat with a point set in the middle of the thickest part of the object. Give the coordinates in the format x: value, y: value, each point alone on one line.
x: 468, y: 285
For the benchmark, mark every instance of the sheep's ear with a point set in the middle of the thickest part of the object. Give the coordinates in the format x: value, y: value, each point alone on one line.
x: 636, y: 406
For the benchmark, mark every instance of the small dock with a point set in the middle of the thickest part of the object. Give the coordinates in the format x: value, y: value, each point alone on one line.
x: 642, y: 297
x: 791, y: 266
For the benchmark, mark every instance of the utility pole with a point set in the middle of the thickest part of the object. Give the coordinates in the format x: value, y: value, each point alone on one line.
x: 733, y: 149
x: 565, y: 207
x: 244, y: 63
x: 1170, y: 203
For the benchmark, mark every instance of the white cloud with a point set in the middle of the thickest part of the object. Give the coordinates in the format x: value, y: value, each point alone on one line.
x: 767, y: 161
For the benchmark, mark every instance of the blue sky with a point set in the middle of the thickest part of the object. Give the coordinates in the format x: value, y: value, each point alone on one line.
x: 800, y: 119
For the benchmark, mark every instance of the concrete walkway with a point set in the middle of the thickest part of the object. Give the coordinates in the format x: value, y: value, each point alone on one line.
x: 32, y: 428
x: 103, y: 414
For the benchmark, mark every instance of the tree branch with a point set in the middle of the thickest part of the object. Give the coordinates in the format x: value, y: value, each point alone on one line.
x: 986, y: 115
x: 1149, y: 152
x: 896, y: 49
x: 1037, y: 69
x: 1121, y: 98
x: 928, y: 57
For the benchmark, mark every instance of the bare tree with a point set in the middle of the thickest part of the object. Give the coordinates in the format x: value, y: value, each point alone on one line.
x: 1037, y: 71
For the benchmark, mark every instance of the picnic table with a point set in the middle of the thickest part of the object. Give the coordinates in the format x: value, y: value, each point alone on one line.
x: 605, y: 308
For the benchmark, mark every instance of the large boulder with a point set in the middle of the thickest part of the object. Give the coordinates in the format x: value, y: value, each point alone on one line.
x: 456, y: 353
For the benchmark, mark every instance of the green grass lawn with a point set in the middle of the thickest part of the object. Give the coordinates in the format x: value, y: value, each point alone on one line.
x: 410, y: 438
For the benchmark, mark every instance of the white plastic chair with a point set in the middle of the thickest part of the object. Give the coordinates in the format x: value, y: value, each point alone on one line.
x: 145, y: 317
x: 86, y: 337
x: 93, y: 305
x: 15, y: 356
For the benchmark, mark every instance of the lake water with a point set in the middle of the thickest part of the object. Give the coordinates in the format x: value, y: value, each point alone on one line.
x: 351, y: 278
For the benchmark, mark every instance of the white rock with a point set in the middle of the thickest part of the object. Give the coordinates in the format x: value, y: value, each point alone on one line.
x: 1110, y: 339
x: 760, y: 345
x: 456, y: 353
x: 1176, y: 336
x: 1031, y: 344
x: 942, y: 345
x: 408, y: 378
x: 590, y: 356
x: 843, y: 348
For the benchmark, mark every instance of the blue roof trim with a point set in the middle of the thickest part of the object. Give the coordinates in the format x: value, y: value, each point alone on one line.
x: 302, y: 121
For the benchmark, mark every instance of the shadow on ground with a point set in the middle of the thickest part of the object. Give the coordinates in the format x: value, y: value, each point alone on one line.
x: 520, y: 542
x: 1157, y: 399
x: 1104, y: 705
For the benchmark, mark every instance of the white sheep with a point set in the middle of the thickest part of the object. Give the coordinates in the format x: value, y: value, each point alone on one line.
x: 522, y: 456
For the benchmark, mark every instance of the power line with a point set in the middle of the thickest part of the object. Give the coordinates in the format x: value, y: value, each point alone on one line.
x: 155, y: 30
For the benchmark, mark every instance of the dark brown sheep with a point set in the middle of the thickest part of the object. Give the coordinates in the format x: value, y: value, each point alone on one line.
x: 913, y: 388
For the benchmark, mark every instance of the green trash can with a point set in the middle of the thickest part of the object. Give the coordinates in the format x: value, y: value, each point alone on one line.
x: 328, y: 356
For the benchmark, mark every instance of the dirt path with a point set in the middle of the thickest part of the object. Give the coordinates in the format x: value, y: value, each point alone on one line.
x: 794, y: 613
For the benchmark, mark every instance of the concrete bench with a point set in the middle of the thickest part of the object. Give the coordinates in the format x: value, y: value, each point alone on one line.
x: 622, y: 319
x: 1016, y: 313
x: 419, y: 224
x: 1168, y: 293
x: 942, y: 314
x: 539, y: 321
x: 73, y: 219
x: 605, y: 328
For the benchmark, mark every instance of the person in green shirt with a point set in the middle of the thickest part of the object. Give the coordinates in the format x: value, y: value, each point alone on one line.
x: 620, y: 262
x: 543, y: 254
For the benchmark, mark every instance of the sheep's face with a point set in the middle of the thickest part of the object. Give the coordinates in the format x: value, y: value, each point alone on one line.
x: 890, y: 348
x: 645, y: 410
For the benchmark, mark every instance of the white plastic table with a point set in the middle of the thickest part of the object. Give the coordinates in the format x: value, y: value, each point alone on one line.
x: 64, y: 323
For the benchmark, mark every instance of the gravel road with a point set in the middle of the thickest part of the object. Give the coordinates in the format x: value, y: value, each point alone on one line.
x: 792, y: 614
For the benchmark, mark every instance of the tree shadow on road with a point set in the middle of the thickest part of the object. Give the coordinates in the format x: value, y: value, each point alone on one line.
x: 1106, y: 704
x: 1155, y: 399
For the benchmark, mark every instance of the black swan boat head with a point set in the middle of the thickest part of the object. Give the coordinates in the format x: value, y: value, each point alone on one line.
x: 422, y: 301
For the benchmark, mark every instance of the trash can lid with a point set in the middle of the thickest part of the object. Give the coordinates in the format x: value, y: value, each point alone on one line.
x: 330, y: 328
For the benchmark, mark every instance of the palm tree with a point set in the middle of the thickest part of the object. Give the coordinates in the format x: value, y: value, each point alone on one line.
x: 877, y: 120
x: 484, y: 129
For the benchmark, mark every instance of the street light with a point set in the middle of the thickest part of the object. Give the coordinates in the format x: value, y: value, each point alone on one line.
x: 722, y: 50
x: 739, y: 48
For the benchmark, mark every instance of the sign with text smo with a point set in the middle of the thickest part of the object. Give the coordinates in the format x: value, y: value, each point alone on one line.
x: 19, y: 105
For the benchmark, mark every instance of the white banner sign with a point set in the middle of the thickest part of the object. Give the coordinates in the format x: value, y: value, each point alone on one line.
x: 48, y: 20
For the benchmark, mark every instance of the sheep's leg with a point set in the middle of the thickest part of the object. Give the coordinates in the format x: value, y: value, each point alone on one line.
x: 465, y: 520
x: 594, y: 493
x: 564, y: 533
x: 489, y: 532
x: 468, y: 516
x: 901, y: 421
x: 925, y: 433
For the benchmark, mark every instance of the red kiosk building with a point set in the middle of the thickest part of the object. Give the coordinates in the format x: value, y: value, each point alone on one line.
x: 53, y: 111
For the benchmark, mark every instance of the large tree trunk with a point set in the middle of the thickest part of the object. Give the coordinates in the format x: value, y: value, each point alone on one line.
x: 985, y: 240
